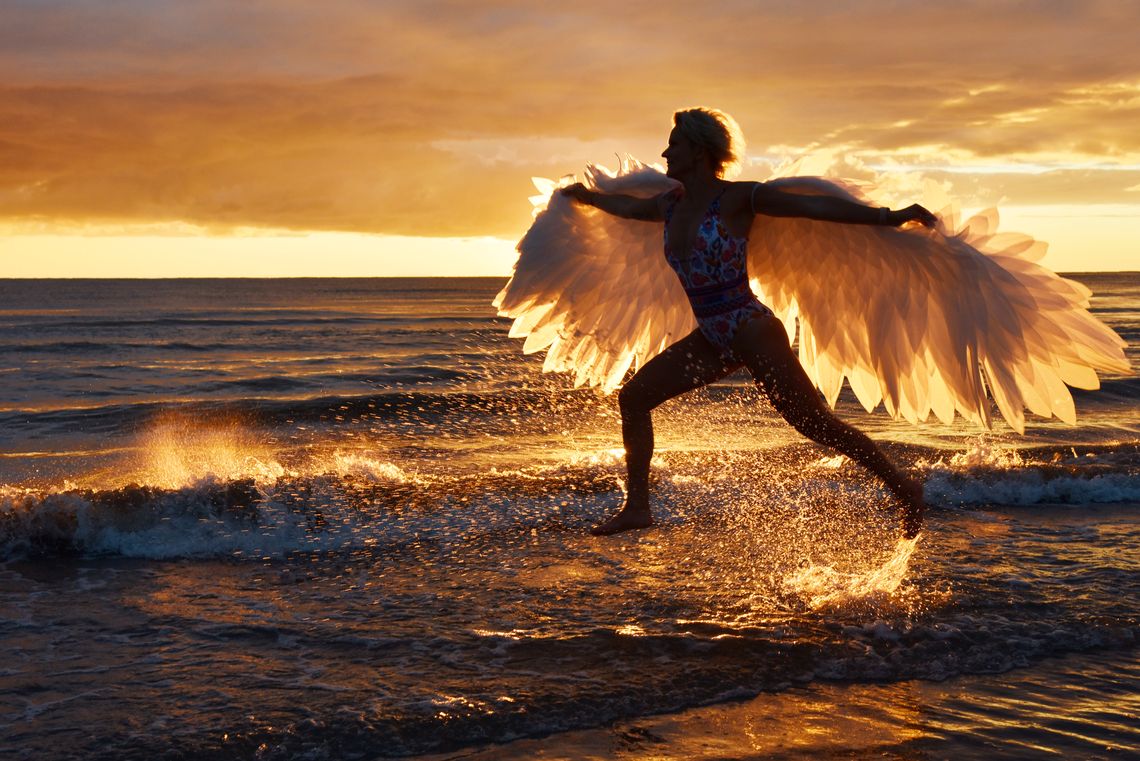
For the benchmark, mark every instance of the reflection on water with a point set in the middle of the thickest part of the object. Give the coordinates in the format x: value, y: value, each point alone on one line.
x: 1021, y: 714
x: 344, y: 612
x: 321, y: 520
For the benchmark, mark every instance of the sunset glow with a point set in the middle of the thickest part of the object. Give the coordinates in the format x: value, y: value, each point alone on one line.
x: 171, y: 139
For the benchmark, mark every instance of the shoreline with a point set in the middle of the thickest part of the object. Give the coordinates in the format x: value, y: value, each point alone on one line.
x: 1076, y: 706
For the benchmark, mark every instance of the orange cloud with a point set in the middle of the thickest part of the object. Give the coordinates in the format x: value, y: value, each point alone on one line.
x: 428, y: 118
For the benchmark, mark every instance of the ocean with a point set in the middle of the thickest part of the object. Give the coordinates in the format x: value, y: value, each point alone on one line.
x: 347, y: 519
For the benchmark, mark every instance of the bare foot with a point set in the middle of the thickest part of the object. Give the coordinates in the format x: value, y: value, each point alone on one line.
x: 913, y: 509
x: 627, y: 519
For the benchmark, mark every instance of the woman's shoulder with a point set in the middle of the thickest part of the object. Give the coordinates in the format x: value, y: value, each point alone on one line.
x: 738, y: 194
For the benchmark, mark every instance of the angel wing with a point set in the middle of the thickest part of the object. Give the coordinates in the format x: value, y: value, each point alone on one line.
x: 920, y: 320
x: 928, y: 320
x: 592, y: 289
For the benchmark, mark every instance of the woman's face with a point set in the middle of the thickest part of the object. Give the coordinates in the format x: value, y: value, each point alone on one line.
x: 680, y: 155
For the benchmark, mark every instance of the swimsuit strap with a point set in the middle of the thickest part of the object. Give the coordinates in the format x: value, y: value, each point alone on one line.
x: 715, y: 205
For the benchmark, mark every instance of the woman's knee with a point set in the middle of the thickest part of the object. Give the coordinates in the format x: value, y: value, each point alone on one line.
x: 633, y: 400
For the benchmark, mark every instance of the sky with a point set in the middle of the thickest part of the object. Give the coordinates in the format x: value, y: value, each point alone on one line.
x: 163, y: 138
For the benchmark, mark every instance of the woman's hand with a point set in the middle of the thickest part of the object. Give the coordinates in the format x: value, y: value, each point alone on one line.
x: 578, y: 192
x: 912, y: 213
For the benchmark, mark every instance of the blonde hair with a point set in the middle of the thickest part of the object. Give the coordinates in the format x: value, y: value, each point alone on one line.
x: 716, y: 132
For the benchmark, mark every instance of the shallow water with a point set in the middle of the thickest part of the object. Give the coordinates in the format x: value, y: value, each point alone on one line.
x: 316, y: 519
x: 1016, y: 714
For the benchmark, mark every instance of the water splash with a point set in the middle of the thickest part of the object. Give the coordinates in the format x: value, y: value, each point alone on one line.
x: 175, y: 452
x: 822, y: 587
x: 980, y: 453
x: 361, y: 466
x: 178, y: 453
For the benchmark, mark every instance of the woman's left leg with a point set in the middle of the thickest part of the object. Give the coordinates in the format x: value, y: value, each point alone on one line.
x: 763, y: 346
x: 690, y: 363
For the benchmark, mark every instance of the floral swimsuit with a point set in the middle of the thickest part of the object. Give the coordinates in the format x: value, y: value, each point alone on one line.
x: 715, y: 278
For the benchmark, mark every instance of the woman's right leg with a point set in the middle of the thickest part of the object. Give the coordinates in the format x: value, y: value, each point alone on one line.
x: 690, y: 363
x: 763, y: 345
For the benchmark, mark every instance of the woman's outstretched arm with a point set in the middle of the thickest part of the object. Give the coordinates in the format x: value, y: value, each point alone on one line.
x: 777, y: 203
x: 630, y: 207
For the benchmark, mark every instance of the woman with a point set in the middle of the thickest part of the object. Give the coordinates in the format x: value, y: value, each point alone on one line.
x: 706, y: 225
